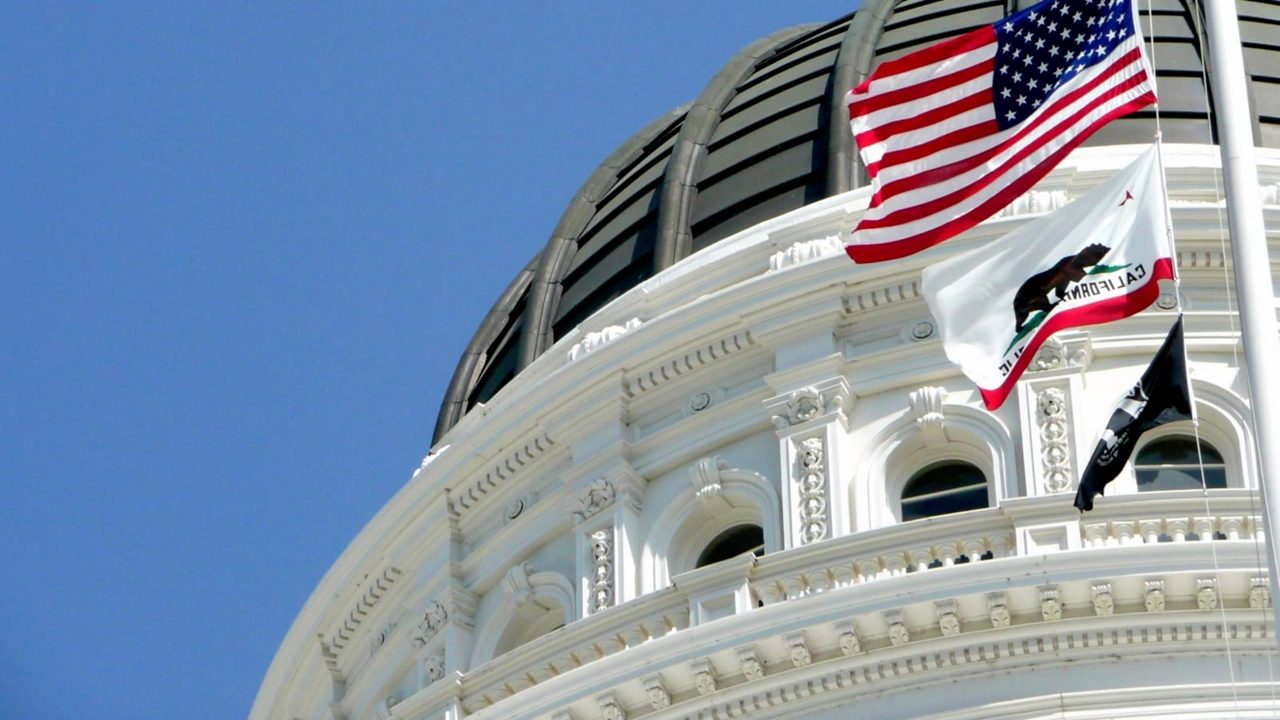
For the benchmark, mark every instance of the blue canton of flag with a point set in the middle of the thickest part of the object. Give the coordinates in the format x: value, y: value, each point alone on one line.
x: 1045, y: 46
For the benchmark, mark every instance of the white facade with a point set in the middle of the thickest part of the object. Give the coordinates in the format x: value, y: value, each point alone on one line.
x: 542, y: 562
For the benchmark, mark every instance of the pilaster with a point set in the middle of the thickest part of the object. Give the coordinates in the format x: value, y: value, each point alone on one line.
x: 1046, y: 412
x: 811, y: 425
x: 606, y: 513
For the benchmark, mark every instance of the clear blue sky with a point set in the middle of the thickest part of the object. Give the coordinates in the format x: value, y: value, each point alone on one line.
x: 244, y: 245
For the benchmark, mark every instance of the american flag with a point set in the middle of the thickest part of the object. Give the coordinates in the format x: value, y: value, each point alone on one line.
x: 953, y: 133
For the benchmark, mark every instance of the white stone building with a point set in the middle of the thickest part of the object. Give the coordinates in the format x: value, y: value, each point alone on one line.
x: 698, y: 464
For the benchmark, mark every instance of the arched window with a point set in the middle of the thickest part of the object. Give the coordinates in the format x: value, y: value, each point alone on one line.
x: 943, y: 488
x: 530, y: 622
x: 1174, y: 463
x: 732, y: 543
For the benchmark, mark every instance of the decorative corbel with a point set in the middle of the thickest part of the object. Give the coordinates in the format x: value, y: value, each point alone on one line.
x: 998, y: 609
x: 752, y: 667
x: 1103, y: 603
x: 1050, y: 603
x: 798, y: 649
x: 705, y: 476
x: 926, y: 406
x: 948, y: 621
x: 610, y: 707
x: 1153, y: 597
x: 656, y: 689
x: 1207, y: 593
x: 847, y: 634
x: 704, y: 676
x: 898, y: 633
x: 516, y: 584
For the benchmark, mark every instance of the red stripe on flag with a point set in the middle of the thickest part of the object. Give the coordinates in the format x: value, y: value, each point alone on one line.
x: 986, y: 128
x: 1094, y: 314
x: 946, y: 172
x: 937, y: 175
x: 924, y: 119
x: 913, y: 93
x: 933, y: 54
x: 879, y: 252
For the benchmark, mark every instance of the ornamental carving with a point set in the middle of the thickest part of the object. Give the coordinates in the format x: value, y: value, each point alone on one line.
x: 610, y: 707
x: 704, y: 676
x: 597, y: 496
x: 948, y: 621
x: 1103, y: 603
x: 705, y: 475
x: 602, y: 573
x: 752, y: 668
x: 434, y: 667
x: 998, y: 608
x: 1050, y: 604
x: 518, y: 586
x: 656, y: 689
x: 847, y: 637
x: 813, y: 490
x: 1051, y: 416
x: 926, y: 406
x: 1207, y: 594
x: 798, y: 650
x: 1053, y: 355
x: 593, y: 341
x: 898, y: 633
x: 806, y: 251
x: 806, y: 404
x: 1259, y: 593
x: 433, y: 619
x: 1153, y: 598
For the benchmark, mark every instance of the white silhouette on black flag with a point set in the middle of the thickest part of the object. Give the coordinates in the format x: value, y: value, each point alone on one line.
x: 1163, y: 395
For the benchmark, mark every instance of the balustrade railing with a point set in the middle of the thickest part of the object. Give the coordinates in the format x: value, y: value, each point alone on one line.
x: 919, y: 546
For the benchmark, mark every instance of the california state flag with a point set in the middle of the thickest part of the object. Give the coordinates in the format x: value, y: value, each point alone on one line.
x: 1095, y: 260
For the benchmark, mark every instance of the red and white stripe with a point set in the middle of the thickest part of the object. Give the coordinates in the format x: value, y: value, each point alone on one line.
x: 926, y: 129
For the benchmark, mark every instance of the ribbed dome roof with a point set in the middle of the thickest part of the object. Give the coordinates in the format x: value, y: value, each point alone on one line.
x: 768, y: 135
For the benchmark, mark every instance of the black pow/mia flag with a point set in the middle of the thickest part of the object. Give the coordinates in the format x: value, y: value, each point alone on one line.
x: 1163, y: 395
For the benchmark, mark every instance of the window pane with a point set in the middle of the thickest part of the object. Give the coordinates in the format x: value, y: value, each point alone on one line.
x: 732, y: 543
x: 971, y: 499
x: 943, y: 477
x: 1179, y: 478
x: 1177, y: 451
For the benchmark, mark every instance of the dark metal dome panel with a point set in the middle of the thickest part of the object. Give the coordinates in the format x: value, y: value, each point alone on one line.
x: 768, y: 135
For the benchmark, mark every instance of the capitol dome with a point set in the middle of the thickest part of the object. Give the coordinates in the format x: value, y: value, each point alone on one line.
x: 697, y: 464
x: 767, y: 135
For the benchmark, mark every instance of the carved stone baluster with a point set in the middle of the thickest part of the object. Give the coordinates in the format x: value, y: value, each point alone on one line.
x: 1203, y: 527
x: 1176, y: 528
x: 1232, y: 527
x: 1149, y: 530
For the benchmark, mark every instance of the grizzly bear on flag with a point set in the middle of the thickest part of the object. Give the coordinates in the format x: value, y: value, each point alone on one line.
x: 1034, y: 293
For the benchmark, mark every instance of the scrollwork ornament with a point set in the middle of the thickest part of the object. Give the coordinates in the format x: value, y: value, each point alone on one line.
x: 597, y: 496
x: 813, y: 490
x: 1051, y: 406
x: 434, y: 667
x: 433, y: 619
x: 602, y: 578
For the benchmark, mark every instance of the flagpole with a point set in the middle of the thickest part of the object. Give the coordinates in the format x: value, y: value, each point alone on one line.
x: 1251, y: 266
